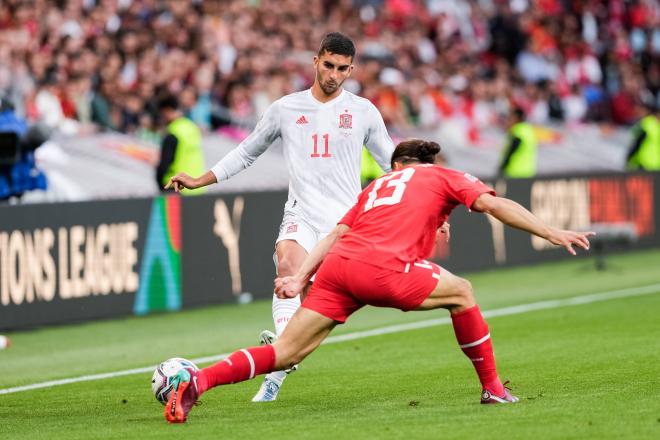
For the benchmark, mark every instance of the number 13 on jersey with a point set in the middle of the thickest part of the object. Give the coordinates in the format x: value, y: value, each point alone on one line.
x: 326, y: 153
x: 396, y: 180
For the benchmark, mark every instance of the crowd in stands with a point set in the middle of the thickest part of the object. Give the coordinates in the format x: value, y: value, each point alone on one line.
x: 86, y: 65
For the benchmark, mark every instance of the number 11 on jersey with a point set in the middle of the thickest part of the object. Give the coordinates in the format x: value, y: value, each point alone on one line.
x: 326, y: 153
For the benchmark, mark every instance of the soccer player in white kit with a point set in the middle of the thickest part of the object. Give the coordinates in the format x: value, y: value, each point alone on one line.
x: 323, y: 130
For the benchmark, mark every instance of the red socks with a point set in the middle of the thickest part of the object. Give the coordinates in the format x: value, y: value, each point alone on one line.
x: 471, y: 333
x: 239, y: 366
x: 474, y: 339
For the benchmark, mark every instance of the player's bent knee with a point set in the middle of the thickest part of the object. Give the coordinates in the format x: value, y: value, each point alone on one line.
x: 467, y: 287
x: 465, y: 293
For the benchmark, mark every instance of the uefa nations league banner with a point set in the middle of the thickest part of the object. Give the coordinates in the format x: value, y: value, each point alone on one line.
x: 69, y: 262
x: 63, y: 262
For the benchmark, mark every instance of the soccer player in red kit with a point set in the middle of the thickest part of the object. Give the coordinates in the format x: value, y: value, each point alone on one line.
x: 376, y: 256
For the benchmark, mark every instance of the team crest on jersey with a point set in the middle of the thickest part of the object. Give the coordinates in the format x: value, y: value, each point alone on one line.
x: 346, y: 120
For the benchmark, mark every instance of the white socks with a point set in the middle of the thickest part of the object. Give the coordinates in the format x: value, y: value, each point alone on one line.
x: 283, y: 310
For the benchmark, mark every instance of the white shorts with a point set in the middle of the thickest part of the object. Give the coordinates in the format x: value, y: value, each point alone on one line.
x: 295, y: 228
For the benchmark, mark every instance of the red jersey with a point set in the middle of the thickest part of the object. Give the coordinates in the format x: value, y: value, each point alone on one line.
x: 395, y: 219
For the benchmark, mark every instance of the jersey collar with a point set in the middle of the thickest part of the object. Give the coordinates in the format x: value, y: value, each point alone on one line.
x: 333, y: 100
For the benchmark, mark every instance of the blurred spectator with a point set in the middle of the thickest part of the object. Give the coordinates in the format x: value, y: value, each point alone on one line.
x: 181, y: 148
x: 535, y: 66
x: 581, y: 67
x: 574, y: 105
x: 429, y: 63
x: 623, y: 101
x: 100, y: 108
x: 519, y: 158
x: 48, y: 105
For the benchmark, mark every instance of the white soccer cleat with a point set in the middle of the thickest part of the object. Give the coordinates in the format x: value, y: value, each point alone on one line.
x: 267, y: 337
x: 487, y: 397
x: 270, y: 387
x: 268, y: 391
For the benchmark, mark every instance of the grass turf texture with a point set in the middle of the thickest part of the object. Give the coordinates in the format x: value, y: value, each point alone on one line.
x: 588, y: 371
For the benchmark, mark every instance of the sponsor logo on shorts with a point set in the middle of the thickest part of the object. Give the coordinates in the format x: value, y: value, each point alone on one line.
x: 292, y: 228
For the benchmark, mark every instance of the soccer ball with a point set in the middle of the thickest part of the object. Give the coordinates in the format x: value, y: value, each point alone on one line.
x: 162, y: 381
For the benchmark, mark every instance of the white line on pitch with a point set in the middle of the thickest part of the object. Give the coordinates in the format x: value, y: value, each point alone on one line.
x: 504, y: 311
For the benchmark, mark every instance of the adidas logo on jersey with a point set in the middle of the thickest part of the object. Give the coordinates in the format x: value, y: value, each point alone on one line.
x: 302, y: 120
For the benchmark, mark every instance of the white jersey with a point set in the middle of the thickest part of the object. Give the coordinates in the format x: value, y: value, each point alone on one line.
x: 323, y: 149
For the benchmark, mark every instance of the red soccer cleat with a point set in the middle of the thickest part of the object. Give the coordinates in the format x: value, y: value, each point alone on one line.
x: 183, y: 397
x: 488, y: 397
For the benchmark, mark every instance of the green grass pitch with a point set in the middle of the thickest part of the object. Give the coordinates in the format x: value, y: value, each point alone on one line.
x: 584, y: 371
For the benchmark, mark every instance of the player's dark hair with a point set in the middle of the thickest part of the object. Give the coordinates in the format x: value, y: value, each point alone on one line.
x: 337, y: 43
x: 415, y: 151
x: 168, y: 101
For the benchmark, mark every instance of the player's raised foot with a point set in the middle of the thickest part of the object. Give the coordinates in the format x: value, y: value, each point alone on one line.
x: 183, y: 397
x: 270, y: 387
x: 488, y: 397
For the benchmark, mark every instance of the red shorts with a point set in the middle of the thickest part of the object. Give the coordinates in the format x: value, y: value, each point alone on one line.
x: 343, y: 286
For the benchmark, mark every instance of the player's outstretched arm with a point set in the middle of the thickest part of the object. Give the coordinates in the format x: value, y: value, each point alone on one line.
x: 182, y: 180
x: 290, y: 287
x: 513, y: 214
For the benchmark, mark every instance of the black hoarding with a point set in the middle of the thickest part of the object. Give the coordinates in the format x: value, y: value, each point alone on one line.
x: 228, y: 245
x: 68, y: 262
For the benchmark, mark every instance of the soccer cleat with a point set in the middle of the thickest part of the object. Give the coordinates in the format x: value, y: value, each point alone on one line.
x: 270, y: 387
x: 267, y: 338
x: 184, y: 397
x: 488, y: 397
x: 268, y: 391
